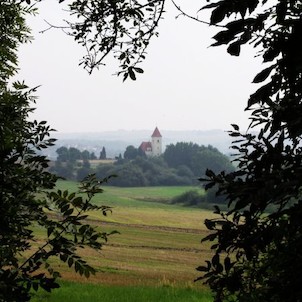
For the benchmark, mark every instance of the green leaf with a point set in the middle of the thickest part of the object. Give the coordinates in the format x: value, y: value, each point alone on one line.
x: 35, y: 286
x: 236, y: 127
x: 210, y: 5
x: 261, y: 76
x: 234, y: 48
x: 271, y: 53
x: 77, y: 266
x: 63, y: 257
x: 139, y: 70
x: 210, y: 225
x: 86, y: 273
x: 122, y: 56
x: 223, y: 37
x: 49, y: 231
x: 209, y: 185
x: 210, y: 237
x: 210, y: 173
x: 217, y: 209
x: 202, y: 269
x: 219, y: 13
x: 216, y: 260
x: 227, y: 264
x: 131, y: 74
x: 71, y: 196
x: 68, y: 212
x: 125, y: 76
x: 78, y: 201
x: 70, y: 261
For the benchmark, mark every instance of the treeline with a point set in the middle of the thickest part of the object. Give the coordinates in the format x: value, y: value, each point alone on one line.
x: 181, y: 164
x: 73, y: 154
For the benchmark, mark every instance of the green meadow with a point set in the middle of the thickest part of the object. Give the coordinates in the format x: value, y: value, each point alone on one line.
x: 79, y: 292
x: 154, y: 254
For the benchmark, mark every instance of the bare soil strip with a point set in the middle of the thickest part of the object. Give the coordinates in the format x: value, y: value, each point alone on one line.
x: 155, y: 227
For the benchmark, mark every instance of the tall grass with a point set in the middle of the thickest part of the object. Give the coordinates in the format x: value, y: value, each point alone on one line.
x: 79, y: 292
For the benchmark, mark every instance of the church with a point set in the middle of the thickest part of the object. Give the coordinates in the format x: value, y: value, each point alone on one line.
x: 153, y: 147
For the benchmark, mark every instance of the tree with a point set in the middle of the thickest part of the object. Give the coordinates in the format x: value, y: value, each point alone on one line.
x: 26, y: 183
x: 63, y: 154
x: 130, y: 176
x: 180, y: 154
x: 130, y: 153
x: 196, y: 158
x: 103, y: 153
x: 83, y: 171
x: 146, y: 171
x: 85, y: 155
x: 258, y: 241
x: 74, y: 154
x: 93, y: 156
x: 63, y: 169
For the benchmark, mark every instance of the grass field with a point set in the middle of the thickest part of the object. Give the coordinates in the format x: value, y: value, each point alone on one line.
x: 79, y: 292
x: 158, y: 247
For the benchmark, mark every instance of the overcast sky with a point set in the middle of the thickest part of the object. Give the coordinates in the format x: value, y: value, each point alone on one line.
x: 187, y: 85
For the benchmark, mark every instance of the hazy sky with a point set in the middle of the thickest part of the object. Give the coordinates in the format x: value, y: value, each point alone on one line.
x: 187, y: 85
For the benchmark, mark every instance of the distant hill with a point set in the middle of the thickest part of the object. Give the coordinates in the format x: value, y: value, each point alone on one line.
x: 116, y: 142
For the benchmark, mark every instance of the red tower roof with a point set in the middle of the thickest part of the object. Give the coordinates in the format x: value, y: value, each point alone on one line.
x: 156, y: 133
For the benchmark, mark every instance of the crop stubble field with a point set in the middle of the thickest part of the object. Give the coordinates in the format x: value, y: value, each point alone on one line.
x: 158, y: 243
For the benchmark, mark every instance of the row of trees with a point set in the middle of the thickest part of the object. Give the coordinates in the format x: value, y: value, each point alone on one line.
x: 71, y: 170
x: 180, y: 164
x: 73, y: 154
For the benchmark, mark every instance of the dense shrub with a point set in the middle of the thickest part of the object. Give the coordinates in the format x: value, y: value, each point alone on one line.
x: 211, y: 197
x: 191, y: 198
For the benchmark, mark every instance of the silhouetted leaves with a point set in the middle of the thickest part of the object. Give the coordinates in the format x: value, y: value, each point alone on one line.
x: 27, y: 196
x: 121, y: 28
x: 255, y: 252
x: 261, y: 76
x: 234, y: 48
x: 219, y: 12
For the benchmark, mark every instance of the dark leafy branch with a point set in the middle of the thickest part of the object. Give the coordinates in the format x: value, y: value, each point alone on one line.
x: 123, y: 28
x: 256, y: 242
x: 183, y: 13
x: 25, y: 180
x: 68, y: 231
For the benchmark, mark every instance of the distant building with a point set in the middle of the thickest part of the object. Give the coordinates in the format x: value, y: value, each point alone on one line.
x: 153, y: 147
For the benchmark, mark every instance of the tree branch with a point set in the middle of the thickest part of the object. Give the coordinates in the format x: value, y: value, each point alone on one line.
x: 182, y: 13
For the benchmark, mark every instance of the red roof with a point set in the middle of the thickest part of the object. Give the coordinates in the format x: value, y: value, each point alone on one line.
x: 145, y: 146
x: 156, y: 133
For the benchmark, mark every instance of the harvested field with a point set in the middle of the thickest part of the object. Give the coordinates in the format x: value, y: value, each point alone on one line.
x: 157, y: 243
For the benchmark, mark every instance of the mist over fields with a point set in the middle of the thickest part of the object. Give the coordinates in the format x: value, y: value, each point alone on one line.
x: 116, y: 142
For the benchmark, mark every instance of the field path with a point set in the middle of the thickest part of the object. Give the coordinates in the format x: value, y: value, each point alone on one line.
x: 155, y: 227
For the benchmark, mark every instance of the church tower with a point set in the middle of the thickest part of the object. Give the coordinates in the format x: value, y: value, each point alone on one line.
x: 156, y: 143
